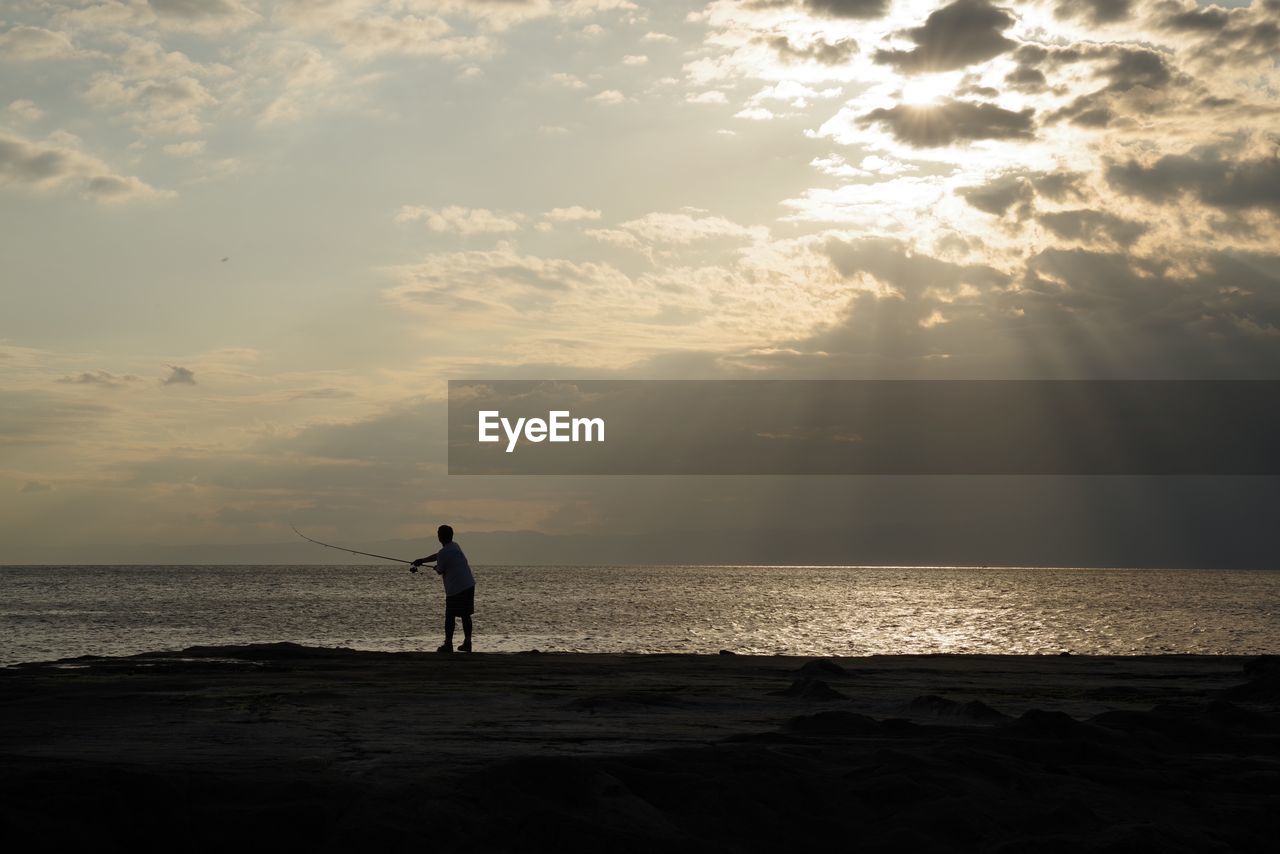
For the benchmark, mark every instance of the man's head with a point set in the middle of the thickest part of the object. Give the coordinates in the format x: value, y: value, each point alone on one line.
x: 445, y: 533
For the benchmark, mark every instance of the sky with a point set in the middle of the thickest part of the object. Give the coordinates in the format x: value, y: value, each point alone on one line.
x: 246, y: 244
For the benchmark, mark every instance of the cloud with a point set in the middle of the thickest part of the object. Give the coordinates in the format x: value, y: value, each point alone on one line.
x: 819, y: 50
x: 676, y: 229
x: 460, y: 220
x: 158, y: 91
x: 179, y: 375
x: 190, y: 148
x: 499, y: 282
x: 1059, y: 186
x: 1138, y: 80
x: 100, y: 378
x: 952, y: 121
x: 1025, y: 79
x: 860, y: 10
x: 206, y: 17
x: 33, y: 487
x: 323, y: 393
x: 908, y: 273
x: 1093, y: 227
x: 794, y: 94
x: 202, y: 17
x: 1087, y: 111
x: 635, y: 59
x: 569, y: 81
x: 1131, y: 67
x: 711, y: 96
x: 40, y: 418
x: 1239, y: 36
x: 370, y: 38
x: 609, y: 97
x: 1077, y: 313
x: 1018, y: 190
x: 1094, y: 11
x: 1222, y: 183
x: 957, y: 35
x: 33, y: 44
x: 532, y: 313
x: 574, y: 213
x: 47, y: 166
x: 24, y: 112
x: 366, y: 32
x: 308, y: 80
x: 998, y: 196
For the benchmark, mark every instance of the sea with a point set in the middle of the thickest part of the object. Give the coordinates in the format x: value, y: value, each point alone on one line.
x: 54, y: 612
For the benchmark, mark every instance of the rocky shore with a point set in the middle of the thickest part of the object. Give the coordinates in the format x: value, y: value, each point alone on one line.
x: 334, y: 749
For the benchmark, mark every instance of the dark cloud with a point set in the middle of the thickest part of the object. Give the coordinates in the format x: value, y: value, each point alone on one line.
x: 952, y: 121
x: 1088, y: 226
x: 1094, y: 11
x: 192, y: 9
x: 1019, y: 190
x: 860, y: 10
x: 43, y: 165
x: 32, y: 487
x: 1197, y: 20
x: 1085, y: 312
x: 1125, y: 69
x: 1131, y: 67
x: 977, y: 91
x: 1213, y: 102
x: 1059, y: 186
x: 179, y: 375
x: 1088, y: 111
x: 1239, y: 36
x: 998, y: 196
x: 893, y: 263
x: 1128, y: 72
x: 1216, y: 181
x: 1225, y: 319
x: 826, y: 53
x: 1025, y: 79
x: 960, y: 34
x: 856, y: 9
x: 110, y: 187
x: 22, y: 162
x: 102, y: 378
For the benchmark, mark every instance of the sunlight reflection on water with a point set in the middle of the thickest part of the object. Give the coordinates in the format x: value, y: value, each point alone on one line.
x: 54, y: 612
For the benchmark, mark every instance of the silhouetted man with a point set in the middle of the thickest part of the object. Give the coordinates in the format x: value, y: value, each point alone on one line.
x: 459, y: 587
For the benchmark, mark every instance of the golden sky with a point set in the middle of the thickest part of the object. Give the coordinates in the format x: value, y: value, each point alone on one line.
x: 246, y: 243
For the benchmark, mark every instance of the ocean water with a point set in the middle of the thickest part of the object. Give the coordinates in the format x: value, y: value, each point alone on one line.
x: 55, y: 612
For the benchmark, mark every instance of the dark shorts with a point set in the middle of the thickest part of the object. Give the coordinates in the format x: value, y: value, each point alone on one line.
x: 461, y: 604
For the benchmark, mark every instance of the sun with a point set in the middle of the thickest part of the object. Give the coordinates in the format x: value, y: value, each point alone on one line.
x: 928, y: 88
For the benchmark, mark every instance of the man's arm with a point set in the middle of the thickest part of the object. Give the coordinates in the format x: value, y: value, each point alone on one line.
x: 413, y: 567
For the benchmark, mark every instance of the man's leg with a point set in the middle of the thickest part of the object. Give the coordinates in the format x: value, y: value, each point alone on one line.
x: 448, y: 630
x: 466, y: 633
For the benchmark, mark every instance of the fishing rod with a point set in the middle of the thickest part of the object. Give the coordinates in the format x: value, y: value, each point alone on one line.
x: 345, y: 549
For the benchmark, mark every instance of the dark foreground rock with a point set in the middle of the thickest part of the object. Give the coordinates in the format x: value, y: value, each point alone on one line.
x: 332, y: 750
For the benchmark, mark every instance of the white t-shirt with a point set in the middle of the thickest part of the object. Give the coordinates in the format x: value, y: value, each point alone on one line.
x: 452, y: 565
